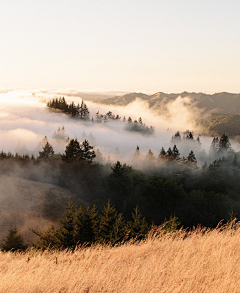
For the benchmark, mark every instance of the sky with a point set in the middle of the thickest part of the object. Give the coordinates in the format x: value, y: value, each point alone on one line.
x: 147, y: 46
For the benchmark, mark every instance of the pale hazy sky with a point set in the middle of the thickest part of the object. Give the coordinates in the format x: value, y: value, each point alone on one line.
x: 153, y: 45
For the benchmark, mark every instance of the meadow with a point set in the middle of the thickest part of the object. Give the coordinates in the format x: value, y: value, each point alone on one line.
x: 200, y: 260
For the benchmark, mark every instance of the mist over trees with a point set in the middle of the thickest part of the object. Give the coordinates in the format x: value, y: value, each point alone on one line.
x: 114, y: 198
x: 82, y: 112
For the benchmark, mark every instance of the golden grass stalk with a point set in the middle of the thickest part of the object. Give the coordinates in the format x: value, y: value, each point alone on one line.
x: 200, y: 260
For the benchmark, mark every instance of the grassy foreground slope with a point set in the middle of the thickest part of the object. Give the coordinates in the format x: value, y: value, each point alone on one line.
x: 200, y: 261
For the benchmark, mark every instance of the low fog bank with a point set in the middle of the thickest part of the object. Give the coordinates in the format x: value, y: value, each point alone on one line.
x: 25, y: 121
x: 33, y: 193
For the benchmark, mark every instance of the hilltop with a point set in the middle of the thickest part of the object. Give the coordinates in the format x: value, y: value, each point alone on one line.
x: 222, y: 103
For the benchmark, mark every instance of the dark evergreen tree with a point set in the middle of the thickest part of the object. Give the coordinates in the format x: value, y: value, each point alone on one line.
x: 129, y: 120
x: 72, y: 152
x: 169, y: 155
x: 87, y: 151
x: 13, y: 241
x: 162, y: 155
x: 175, y: 153
x: 119, y: 170
x: 83, y: 112
x: 47, y: 151
x: 191, y: 159
x: 86, y: 225
x: 214, y: 148
x: 66, y: 232
x: 224, y: 143
x: 140, y: 120
x: 99, y: 118
x: 119, y: 229
x: 176, y: 138
x: 189, y: 136
x: 138, y: 227
x: 47, y: 239
x: 108, y: 219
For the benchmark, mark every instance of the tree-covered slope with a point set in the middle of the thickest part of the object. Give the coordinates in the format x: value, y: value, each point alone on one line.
x: 218, y: 124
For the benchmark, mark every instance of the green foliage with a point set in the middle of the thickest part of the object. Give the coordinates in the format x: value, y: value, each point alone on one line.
x: 138, y: 126
x: 47, y: 239
x: 72, y: 151
x: 220, y: 123
x: 47, y: 151
x: 14, y: 241
x: 66, y: 233
x: 171, y: 224
x: 138, y: 227
x: 79, y: 111
x: 88, y: 226
x: 78, y: 152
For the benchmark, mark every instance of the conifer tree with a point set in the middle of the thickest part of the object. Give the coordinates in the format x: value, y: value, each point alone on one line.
x: 13, y: 241
x: 191, y: 159
x: 98, y: 118
x: 47, y: 239
x: 175, y: 153
x: 138, y: 226
x: 86, y: 225
x: 66, y: 232
x: 107, y: 221
x: 162, y: 155
x: 119, y: 229
x: 214, y: 148
x: 119, y: 170
x: 72, y: 152
x: 224, y: 144
x: 129, y: 120
x: 169, y: 155
x: 189, y: 136
x: 47, y: 151
x: 140, y: 120
x: 84, y: 112
x: 86, y: 151
x: 176, y: 138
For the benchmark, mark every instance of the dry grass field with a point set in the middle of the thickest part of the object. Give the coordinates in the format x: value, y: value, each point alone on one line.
x: 200, y: 261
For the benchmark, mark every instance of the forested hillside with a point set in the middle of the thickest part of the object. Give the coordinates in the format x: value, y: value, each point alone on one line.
x: 222, y: 103
x: 168, y: 186
x: 217, y: 124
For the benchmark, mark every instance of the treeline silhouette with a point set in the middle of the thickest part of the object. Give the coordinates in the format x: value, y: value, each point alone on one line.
x: 173, y: 189
x: 82, y: 112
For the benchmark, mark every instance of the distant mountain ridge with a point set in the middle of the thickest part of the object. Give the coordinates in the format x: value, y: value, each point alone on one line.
x: 222, y: 103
